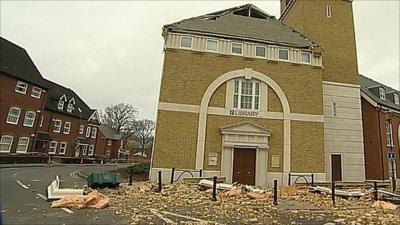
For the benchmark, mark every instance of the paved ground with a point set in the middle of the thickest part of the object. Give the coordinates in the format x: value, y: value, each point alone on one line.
x: 23, y: 201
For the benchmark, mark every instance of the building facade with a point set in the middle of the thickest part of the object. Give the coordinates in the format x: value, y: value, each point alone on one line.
x: 245, y: 96
x: 381, y: 122
x: 109, y: 143
x: 38, y: 116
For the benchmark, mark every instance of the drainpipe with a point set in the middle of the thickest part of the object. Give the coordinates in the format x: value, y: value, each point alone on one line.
x: 38, y: 118
x: 380, y: 142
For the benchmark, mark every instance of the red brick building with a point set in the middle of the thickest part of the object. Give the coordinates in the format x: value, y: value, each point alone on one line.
x: 38, y: 115
x: 381, y: 124
x: 109, y: 143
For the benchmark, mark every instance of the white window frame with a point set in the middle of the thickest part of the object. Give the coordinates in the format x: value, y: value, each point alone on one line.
x: 22, y: 85
x: 91, y: 150
x: 265, y: 51
x: 84, y: 149
x: 191, y: 42
x: 81, y: 129
x: 41, y: 121
x: 24, y: 145
x: 389, y: 134
x: 61, y: 102
x: 63, y: 148
x: 6, y: 143
x: 58, y: 130
x: 396, y: 99
x: 288, y: 54
x: 328, y: 11
x: 94, y: 132
x: 71, y: 105
x: 36, y: 92
x: 67, y: 128
x: 53, y: 146
x: 382, y: 93
x: 213, y: 40
x: 241, y: 48
x: 9, y: 114
x: 109, y: 142
x: 253, y: 94
x: 309, y: 56
x: 26, y: 124
x: 88, y: 130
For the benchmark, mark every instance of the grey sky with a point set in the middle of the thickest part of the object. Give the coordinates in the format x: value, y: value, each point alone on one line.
x: 111, y: 52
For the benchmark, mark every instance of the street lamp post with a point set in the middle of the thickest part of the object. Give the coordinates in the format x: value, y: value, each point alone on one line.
x: 392, y: 160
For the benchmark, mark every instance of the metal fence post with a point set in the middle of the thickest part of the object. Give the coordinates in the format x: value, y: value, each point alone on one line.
x: 312, y: 180
x: 333, y: 193
x: 130, y: 179
x: 375, y: 191
x: 289, y: 179
x: 275, y: 192
x: 214, y: 191
x: 172, y: 175
x: 159, y: 182
x: 201, y: 173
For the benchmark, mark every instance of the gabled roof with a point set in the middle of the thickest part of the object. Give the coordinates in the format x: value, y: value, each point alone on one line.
x: 56, y: 91
x: 246, y: 22
x: 368, y: 87
x: 16, y: 62
x: 110, y: 133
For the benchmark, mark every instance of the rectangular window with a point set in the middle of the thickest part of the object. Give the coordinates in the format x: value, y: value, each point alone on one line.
x: 389, y: 135
x: 328, y: 11
x: 306, y: 57
x: 6, y: 143
x: 186, y: 42
x: 88, y: 131
x: 23, y: 144
x: 57, y: 126
x: 36, y: 92
x: 29, y: 119
x: 94, y: 132
x: 53, y: 147
x: 396, y: 99
x: 382, y: 93
x: 67, y: 127
x: 60, y: 104
x: 246, y: 95
x: 261, y: 51
x: 70, y: 107
x: 212, y: 45
x: 284, y: 54
x: 237, y: 48
x: 109, y: 142
x: 81, y: 129
x: 63, y: 148
x: 13, y: 115
x: 91, y: 150
x: 84, y: 149
x: 21, y: 87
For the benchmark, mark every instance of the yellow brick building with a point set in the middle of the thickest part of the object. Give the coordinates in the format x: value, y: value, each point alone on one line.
x: 247, y: 97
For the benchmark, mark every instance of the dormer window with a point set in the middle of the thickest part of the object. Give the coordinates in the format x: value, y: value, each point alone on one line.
x: 382, y: 93
x: 71, y: 105
x: 236, y: 48
x: 61, y: 102
x: 186, y: 42
x: 396, y: 99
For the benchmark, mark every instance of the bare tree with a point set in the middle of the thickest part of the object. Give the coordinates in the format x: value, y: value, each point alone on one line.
x: 120, y: 117
x: 142, y: 132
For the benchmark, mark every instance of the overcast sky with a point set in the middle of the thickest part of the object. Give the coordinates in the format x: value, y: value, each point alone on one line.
x: 111, y: 52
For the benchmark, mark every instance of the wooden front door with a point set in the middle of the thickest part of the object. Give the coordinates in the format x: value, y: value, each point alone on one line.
x: 244, y: 166
x: 336, y: 164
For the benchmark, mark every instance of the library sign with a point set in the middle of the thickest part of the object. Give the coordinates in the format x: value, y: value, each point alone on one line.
x: 238, y: 112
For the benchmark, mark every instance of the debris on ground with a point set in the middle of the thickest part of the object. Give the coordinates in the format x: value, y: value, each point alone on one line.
x: 384, y: 205
x: 242, y: 204
x: 94, y: 200
x: 220, y: 186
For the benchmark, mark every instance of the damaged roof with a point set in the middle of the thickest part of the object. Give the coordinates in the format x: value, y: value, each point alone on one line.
x: 16, y: 62
x: 246, y: 22
x: 370, y: 88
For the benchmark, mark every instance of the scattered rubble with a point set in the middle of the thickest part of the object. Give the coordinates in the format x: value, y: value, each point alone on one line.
x: 243, y: 204
x: 93, y: 200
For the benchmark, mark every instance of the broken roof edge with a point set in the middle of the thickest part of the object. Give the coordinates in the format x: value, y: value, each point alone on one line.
x: 235, y: 37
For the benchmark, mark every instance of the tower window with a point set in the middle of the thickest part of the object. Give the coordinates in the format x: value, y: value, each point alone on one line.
x: 382, y: 93
x: 328, y: 11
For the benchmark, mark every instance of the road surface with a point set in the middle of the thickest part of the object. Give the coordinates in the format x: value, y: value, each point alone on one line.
x: 23, y: 197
